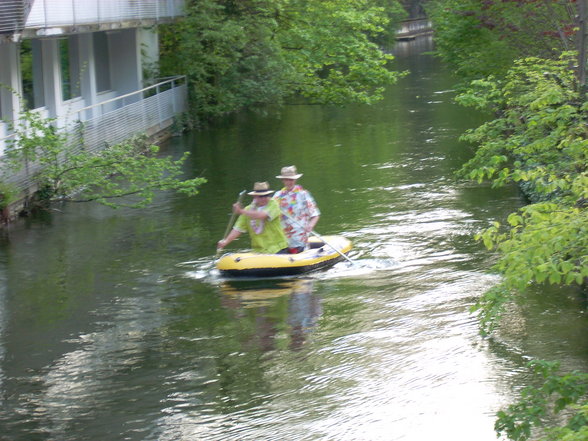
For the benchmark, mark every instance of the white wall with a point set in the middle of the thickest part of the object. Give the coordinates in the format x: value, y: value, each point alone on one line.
x: 125, y: 52
x: 9, y: 79
x: 9, y: 82
x: 125, y: 61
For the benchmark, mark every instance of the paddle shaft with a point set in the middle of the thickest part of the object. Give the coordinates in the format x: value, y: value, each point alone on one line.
x: 314, y: 233
x: 230, y: 224
x: 239, y: 199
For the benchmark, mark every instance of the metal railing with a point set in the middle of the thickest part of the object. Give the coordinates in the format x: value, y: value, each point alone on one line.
x: 16, y: 15
x: 110, y: 122
x: 12, y: 15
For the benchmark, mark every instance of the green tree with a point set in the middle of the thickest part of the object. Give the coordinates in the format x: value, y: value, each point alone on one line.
x: 328, y: 45
x: 540, y: 141
x: 229, y: 57
x: 554, y: 393
x: 480, y: 38
x: 126, y: 174
x: 244, y: 53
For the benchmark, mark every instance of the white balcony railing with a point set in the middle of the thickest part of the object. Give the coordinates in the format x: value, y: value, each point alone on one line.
x: 16, y: 15
x: 146, y: 111
x: 12, y: 15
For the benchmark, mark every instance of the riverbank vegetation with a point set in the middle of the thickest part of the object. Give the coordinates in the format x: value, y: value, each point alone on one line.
x: 481, y: 38
x: 127, y: 174
x: 524, y: 61
x: 247, y: 53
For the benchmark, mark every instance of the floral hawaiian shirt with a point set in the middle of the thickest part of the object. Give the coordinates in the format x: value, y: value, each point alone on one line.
x: 299, y: 205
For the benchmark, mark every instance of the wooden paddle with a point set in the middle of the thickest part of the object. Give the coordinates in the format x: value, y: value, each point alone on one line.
x: 314, y: 233
x: 227, y: 231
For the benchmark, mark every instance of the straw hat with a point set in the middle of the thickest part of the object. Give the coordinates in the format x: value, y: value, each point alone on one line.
x: 289, y: 172
x: 260, y: 189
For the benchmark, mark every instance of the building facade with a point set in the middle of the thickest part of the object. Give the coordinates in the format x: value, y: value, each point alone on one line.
x: 86, y: 61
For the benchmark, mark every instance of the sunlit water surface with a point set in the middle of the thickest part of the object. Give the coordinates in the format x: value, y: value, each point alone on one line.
x: 114, y: 325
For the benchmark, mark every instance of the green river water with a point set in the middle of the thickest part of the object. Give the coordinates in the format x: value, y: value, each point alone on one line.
x: 114, y: 325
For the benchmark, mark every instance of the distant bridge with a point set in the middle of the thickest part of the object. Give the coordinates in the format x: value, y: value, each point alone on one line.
x: 410, y: 29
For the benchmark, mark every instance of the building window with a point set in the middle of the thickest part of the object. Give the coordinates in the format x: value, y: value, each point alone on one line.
x: 102, y: 61
x: 31, y: 64
x: 70, y: 68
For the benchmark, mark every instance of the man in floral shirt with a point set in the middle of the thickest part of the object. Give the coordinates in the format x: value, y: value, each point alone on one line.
x: 299, y: 210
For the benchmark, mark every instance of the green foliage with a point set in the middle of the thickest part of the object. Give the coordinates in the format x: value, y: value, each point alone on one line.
x: 578, y: 433
x: 490, y: 307
x: 133, y: 169
x: 244, y: 53
x: 394, y: 13
x: 544, y: 243
x: 329, y: 48
x: 8, y: 194
x: 484, y: 38
x: 540, y: 141
x: 538, y: 405
x: 224, y: 62
x: 66, y: 171
x: 471, y: 49
x: 36, y: 139
x: 540, y: 136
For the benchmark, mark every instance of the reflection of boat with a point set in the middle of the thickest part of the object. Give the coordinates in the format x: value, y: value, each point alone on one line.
x: 272, y: 312
x: 320, y: 255
x: 259, y: 292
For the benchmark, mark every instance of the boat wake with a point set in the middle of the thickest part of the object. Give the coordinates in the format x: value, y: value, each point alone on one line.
x: 201, y: 269
x: 357, y: 268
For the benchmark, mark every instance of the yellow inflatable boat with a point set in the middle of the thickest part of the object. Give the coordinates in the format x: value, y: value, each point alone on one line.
x: 321, y: 254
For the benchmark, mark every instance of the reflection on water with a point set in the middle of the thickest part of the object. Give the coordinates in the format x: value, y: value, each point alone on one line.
x: 115, y: 325
x: 258, y: 293
x: 281, y: 310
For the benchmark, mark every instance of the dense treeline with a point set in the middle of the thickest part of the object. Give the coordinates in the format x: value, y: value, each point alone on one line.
x: 244, y: 53
x: 525, y: 62
x: 481, y: 38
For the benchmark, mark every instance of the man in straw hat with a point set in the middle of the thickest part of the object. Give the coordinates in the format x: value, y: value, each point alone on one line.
x: 299, y: 210
x: 261, y: 219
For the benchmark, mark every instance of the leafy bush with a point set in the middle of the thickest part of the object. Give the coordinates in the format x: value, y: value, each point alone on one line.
x: 240, y: 54
x: 126, y: 174
x: 537, y: 405
x: 481, y: 38
x: 540, y: 140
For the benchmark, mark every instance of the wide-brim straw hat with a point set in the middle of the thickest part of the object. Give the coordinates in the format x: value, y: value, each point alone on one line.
x: 289, y: 172
x: 260, y: 189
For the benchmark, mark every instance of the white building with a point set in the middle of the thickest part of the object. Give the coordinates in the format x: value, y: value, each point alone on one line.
x: 86, y: 61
